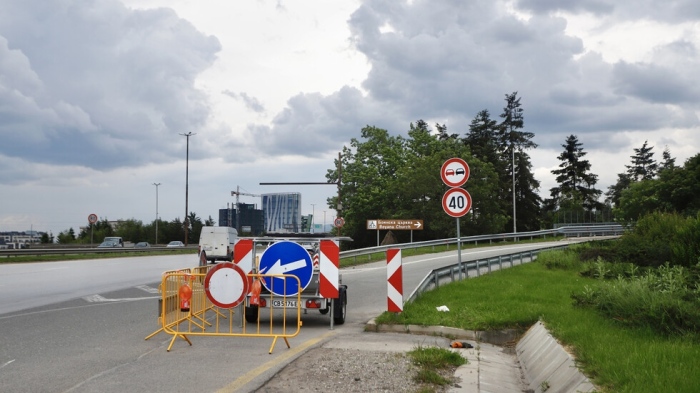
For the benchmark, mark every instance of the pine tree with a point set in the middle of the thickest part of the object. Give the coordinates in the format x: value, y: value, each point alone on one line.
x: 643, y: 166
x: 511, y: 143
x: 576, y: 183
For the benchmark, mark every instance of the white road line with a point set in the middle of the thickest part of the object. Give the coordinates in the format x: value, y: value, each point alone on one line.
x: 7, y: 363
x: 148, y: 289
x: 102, y: 299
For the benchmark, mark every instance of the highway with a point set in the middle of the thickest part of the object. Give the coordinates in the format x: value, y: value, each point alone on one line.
x: 80, y: 326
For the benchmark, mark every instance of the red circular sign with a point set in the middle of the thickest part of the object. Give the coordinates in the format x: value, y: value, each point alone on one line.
x: 92, y: 218
x: 226, y: 285
x: 339, y: 222
x: 456, y: 202
x: 454, y: 172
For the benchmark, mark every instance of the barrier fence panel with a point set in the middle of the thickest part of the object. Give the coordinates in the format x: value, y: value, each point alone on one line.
x: 186, y: 308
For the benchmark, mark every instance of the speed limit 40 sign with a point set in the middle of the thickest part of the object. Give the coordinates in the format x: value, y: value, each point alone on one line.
x: 456, y: 202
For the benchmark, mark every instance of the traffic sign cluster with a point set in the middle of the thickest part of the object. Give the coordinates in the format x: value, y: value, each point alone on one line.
x: 456, y: 202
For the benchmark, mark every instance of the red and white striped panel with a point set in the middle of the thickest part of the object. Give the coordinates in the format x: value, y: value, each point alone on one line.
x: 394, y: 274
x: 243, y: 255
x: 329, y: 262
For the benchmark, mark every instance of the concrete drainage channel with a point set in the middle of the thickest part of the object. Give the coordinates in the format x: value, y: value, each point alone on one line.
x: 539, y: 363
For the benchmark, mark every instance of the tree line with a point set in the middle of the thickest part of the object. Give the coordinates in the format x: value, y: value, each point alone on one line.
x: 395, y: 177
x: 132, y: 230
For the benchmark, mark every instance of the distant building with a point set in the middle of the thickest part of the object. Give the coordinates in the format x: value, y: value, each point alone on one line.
x: 282, y: 212
x: 250, y: 222
x: 15, y: 239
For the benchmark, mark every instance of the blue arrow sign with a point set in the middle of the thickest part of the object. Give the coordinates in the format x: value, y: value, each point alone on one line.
x: 290, y: 258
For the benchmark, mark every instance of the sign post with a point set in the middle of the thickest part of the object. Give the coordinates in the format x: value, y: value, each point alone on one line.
x: 456, y: 202
x: 92, y: 218
x: 394, y: 225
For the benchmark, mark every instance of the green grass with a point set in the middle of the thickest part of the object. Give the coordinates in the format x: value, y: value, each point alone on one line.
x: 435, y: 365
x: 617, y: 358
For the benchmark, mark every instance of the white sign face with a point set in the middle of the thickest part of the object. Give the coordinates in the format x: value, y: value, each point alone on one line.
x: 454, y: 172
x: 456, y: 202
x: 226, y: 285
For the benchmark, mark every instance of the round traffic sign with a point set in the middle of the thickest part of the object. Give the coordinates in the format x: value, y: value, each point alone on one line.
x: 339, y: 222
x: 456, y: 202
x: 226, y: 285
x: 454, y: 172
x: 92, y: 218
x: 286, y: 258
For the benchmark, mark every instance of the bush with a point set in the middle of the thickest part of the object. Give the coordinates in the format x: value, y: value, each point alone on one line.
x: 664, y: 299
x: 662, y: 237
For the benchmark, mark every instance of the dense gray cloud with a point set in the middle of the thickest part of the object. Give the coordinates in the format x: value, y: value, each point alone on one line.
x: 97, y: 84
x: 448, y: 60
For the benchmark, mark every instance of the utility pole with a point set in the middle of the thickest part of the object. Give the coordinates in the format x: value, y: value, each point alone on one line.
x: 156, y: 184
x: 187, y: 180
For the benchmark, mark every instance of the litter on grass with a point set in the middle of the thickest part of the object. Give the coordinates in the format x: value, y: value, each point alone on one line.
x: 443, y: 309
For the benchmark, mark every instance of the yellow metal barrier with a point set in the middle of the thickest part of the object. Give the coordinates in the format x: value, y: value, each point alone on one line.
x: 206, y: 319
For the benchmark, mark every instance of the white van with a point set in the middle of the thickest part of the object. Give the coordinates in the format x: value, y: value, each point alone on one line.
x: 216, y: 243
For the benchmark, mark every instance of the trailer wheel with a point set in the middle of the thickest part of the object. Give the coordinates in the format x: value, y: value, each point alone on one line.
x: 251, y: 314
x: 324, y: 311
x: 340, y: 306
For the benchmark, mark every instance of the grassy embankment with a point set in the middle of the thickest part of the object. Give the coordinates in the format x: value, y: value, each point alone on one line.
x: 658, y: 350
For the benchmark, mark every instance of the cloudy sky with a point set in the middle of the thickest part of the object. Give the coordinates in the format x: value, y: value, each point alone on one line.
x: 95, y: 96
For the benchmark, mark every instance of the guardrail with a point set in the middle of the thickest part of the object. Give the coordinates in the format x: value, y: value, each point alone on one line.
x: 455, y: 272
x: 84, y: 250
x: 573, y: 231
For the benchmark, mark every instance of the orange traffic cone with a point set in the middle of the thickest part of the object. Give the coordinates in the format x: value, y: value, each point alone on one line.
x: 255, y: 290
x: 185, y: 293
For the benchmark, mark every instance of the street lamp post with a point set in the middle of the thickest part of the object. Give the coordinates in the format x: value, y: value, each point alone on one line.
x: 313, y: 213
x: 187, y: 175
x: 156, y: 184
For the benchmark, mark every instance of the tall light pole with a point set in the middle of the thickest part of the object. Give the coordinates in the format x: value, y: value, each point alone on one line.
x: 156, y: 184
x: 187, y: 180
x: 313, y: 213
x: 512, y: 148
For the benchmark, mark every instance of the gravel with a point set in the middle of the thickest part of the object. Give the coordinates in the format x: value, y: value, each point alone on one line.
x: 348, y: 371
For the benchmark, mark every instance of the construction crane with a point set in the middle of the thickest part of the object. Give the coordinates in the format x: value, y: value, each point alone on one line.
x: 238, y: 193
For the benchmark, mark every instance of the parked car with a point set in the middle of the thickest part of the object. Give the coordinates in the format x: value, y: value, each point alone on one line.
x: 176, y: 243
x: 142, y: 245
x: 108, y: 244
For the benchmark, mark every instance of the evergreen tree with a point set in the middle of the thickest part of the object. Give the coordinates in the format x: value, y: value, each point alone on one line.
x: 576, y: 183
x: 668, y: 162
x: 511, y: 144
x: 643, y: 166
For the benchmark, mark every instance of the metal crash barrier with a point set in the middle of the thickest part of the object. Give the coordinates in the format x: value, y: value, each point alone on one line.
x: 200, y: 302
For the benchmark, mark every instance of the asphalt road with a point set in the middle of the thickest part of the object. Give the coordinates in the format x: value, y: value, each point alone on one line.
x: 80, y: 327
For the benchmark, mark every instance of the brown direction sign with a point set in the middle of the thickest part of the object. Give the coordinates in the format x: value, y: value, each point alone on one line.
x: 395, y: 225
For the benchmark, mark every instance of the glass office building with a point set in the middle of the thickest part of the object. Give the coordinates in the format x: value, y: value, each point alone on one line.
x: 282, y: 212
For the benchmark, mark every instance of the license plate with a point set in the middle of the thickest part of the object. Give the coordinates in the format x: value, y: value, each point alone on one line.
x: 283, y: 303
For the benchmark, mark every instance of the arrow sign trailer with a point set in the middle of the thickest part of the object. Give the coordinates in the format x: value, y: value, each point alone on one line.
x: 288, y: 258
x: 456, y: 202
x: 394, y: 225
x: 454, y: 172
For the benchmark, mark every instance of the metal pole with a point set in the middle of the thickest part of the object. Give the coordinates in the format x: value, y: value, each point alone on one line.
x: 156, y: 184
x: 459, y: 251
x: 512, y: 148
x: 187, y: 181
